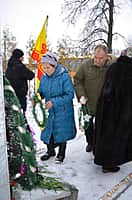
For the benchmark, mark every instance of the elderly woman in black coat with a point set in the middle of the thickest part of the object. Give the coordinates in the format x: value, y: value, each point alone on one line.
x: 113, y: 126
x: 18, y: 75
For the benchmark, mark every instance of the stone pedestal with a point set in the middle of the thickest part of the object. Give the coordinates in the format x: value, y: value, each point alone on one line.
x: 4, y: 174
x: 71, y: 193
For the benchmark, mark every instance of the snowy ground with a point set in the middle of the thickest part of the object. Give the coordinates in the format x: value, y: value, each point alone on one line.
x: 78, y: 167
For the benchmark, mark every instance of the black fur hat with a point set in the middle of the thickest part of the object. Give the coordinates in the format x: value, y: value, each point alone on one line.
x: 17, y: 53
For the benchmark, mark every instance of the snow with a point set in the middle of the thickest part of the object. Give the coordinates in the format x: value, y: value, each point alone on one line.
x: 127, y: 195
x: 78, y: 167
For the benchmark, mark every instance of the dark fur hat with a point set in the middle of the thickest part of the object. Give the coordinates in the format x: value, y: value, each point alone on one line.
x: 17, y: 53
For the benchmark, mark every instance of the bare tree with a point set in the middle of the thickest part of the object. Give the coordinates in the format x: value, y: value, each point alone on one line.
x: 29, y: 48
x: 30, y: 45
x: 129, y: 39
x: 99, y: 15
x: 66, y: 47
x: 8, y: 44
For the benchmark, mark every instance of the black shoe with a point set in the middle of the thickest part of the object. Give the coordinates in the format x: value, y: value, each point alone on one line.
x: 110, y: 169
x: 89, y: 148
x: 47, y: 155
x: 59, y: 159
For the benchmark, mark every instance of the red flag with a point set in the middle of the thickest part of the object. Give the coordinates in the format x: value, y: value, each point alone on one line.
x: 39, y: 49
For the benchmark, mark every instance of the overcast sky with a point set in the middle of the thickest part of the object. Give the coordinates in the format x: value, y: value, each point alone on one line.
x: 26, y: 17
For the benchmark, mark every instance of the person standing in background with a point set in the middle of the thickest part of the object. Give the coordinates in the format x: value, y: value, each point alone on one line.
x: 88, y: 82
x: 18, y: 75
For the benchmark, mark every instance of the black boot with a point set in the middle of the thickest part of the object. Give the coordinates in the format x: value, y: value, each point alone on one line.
x: 61, y: 154
x: 89, y: 133
x: 89, y: 148
x: 110, y: 169
x: 50, y: 150
x: 47, y: 155
x: 59, y: 159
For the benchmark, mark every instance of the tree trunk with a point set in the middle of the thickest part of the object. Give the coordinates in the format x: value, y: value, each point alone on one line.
x: 110, y: 25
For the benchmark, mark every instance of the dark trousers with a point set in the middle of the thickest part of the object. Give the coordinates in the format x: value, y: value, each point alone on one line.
x: 51, y: 147
x: 89, y: 133
x: 23, y: 102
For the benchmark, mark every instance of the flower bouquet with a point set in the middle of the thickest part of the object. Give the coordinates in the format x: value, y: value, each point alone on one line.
x: 84, y: 114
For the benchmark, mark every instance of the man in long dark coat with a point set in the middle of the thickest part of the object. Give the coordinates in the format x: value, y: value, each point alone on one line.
x: 113, y: 126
